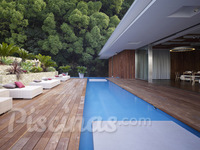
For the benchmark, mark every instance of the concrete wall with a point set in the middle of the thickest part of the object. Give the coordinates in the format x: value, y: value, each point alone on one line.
x: 3, y: 69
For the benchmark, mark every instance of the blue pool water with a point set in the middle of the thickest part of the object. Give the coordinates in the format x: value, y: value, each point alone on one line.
x: 105, y: 99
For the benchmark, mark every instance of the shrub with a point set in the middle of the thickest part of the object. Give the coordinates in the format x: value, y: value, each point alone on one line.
x: 81, y: 69
x: 15, y: 69
x: 25, y: 54
x: 51, y: 69
x: 6, y: 61
x: 36, y: 69
x: 27, y: 66
x: 7, y: 50
x: 65, y: 69
x: 46, y: 61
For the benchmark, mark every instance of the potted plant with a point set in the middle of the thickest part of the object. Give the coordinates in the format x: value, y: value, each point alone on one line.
x: 65, y: 69
x: 81, y: 70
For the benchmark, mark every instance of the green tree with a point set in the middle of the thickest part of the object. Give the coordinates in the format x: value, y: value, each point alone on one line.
x: 69, y: 31
x: 12, y: 23
x: 111, y: 7
x: 125, y: 6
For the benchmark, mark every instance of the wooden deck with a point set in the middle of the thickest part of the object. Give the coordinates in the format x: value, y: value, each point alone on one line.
x: 51, y: 120
x: 182, y: 105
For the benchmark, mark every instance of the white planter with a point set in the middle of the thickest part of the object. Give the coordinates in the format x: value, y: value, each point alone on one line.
x: 66, y: 73
x: 81, y: 75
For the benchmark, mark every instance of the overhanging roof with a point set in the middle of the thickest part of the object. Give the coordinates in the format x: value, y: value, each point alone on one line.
x: 153, y: 22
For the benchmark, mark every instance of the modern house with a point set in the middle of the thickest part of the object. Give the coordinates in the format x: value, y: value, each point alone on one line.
x: 140, y: 45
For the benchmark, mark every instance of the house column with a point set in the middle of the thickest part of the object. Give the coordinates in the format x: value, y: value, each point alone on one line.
x: 150, y: 64
x: 112, y: 67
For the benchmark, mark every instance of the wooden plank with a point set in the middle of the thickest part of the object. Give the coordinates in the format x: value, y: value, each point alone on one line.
x: 123, y: 65
x: 26, y: 105
x: 21, y: 128
x: 70, y: 138
x: 50, y: 116
x: 75, y: 137
x: 69, y: 125
x: 37, y: 136
x: 53, y: 105
x: 182, y: 105
x: 50, y: 135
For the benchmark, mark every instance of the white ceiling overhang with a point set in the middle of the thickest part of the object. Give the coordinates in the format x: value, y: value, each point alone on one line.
x: 153, y: 22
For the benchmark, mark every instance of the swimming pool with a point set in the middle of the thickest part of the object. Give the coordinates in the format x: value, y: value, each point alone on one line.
x: 104, y: 100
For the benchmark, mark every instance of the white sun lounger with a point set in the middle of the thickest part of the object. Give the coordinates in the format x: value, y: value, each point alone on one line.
x: 5, y: 101
x: 4, y: 93
x: 63, y: 78
x: 5, y: 104
x: 46, y: 84
x: 27, y: 92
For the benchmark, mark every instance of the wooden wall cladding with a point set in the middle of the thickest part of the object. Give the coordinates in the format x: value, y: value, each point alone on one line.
x: 184, y: 61
x: 123, y: 65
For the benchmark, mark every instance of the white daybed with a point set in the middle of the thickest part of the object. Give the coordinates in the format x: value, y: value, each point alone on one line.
x: 5, y: 101
x: 27, y: 92
x: 62, y: 78
x: 46, y: 84
x: 4, y: 93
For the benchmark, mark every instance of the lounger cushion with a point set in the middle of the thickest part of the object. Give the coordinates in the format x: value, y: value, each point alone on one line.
x: 19, y: 84
x: 9, y: 86
x: 36, y: 81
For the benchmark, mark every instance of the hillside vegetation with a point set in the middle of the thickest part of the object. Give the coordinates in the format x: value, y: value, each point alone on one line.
x: 72, y: 32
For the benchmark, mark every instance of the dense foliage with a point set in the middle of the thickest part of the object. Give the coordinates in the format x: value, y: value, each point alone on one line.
x: 72, y: 32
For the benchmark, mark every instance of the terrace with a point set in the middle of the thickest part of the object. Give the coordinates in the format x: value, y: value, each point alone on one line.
x: 53, y: 119
x: 142, y: 64
x: 60, y: 108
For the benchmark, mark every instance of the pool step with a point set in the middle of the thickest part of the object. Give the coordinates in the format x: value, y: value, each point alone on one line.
x: 142, y: 135
x: 97, y: 80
